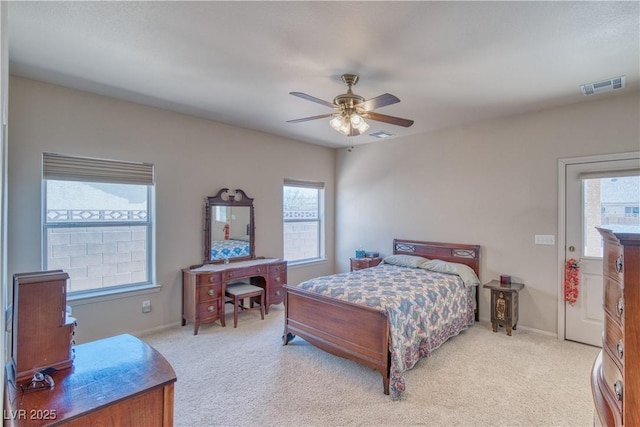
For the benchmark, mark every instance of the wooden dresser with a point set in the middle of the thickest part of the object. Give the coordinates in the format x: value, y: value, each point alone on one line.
x: 203, y: 287
x: 615, y: 379
x: 116, y: 381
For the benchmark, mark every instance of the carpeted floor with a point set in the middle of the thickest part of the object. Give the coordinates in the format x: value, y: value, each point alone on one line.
x: 246, y: 377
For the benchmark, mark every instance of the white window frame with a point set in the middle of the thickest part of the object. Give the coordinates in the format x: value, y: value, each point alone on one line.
x: 320, y: 220
x: 61, y: 167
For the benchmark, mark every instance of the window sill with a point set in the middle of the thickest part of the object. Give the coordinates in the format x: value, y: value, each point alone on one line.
x: 111, y: 294
x: 301, y: 264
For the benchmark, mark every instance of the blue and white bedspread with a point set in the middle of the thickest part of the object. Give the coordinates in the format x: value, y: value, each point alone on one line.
x: 222, y: 249
x: 424, y: 308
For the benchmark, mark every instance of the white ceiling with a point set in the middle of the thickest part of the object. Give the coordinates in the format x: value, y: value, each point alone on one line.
x: 235, y: 62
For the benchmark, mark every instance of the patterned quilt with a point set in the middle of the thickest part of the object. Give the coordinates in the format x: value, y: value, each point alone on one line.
x: 221, y: 249
x: 424, y: 308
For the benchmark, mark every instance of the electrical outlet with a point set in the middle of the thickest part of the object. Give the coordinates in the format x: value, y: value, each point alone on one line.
x: 146, y: 306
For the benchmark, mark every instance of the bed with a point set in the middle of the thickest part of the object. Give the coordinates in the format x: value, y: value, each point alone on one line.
x: 231, y: 248
x: 362, y: 315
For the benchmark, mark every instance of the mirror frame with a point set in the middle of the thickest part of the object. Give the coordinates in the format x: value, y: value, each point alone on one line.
x: 225, y: 197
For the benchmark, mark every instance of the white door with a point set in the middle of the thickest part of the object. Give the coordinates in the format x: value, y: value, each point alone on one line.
x: 604, y: 194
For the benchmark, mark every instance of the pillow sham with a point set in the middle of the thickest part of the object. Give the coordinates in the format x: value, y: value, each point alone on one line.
x: 465, y: 272
x: 411, y: 261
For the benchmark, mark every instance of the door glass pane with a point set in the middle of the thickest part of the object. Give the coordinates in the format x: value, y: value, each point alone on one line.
x: 610, y: 202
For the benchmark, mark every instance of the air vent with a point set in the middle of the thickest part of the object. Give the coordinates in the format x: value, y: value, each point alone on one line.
x: 382, y: 134
x: 603, y: 86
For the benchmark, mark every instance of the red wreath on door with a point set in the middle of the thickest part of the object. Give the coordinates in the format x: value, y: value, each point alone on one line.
x: 571, y: 281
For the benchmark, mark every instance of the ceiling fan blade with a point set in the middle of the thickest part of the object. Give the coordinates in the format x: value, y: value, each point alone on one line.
x: 379, y: 101
x: 389, y: 119
x: 313, y: 99
x: 306, y: 119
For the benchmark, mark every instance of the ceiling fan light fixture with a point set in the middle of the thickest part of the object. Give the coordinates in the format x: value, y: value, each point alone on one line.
x: 358, y: 123
x: 337, y: 122
x: 356, y: 120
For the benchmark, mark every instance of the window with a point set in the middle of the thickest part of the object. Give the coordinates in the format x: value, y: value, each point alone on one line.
x: 611, y: 199
x: 303, y: 207
x: 97, y: 222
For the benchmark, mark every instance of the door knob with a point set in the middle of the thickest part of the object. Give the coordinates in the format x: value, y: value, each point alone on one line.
x: 572, y: 248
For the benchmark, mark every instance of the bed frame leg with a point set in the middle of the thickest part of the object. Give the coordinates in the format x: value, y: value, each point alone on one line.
x: 385, y: 384
x: 286, y: 337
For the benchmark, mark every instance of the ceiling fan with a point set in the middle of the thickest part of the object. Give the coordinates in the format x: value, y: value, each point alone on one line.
x: 352, y: 109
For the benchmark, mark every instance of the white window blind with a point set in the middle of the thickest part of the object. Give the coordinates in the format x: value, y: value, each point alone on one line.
x: 74, y: 168
x: 306, y: 184
x: 616, y: 173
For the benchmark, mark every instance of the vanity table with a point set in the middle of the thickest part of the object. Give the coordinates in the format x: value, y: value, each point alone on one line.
x: 228, y: 222
x: 203, y: 287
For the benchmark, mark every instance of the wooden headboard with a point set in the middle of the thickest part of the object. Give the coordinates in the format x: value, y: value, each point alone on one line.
x: 452, y: 252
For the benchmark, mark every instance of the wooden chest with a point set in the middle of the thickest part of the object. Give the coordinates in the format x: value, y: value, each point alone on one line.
x: 615, y: 380
x: 42, y: 330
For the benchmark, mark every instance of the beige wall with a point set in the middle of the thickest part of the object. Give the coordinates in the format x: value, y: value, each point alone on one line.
x: 493, y: 183
x: 193, y: 158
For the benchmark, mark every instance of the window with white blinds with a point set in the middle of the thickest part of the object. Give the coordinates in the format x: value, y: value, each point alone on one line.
x: 98, y: 222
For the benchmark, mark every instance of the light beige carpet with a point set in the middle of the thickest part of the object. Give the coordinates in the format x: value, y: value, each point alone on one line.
x: 246, y: 377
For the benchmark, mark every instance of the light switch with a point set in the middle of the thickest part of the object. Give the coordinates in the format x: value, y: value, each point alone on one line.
x: 545, y: 239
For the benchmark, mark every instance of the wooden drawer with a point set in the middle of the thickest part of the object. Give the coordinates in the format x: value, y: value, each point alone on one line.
x: 361, y: 263
x: 276, y: 295
x: 276, y: 280
x: 613, y: 263
x: 613, y: 341
x: 613, y: 301
x: 209, y: 292
x: 256, y: 270
x: 277, y: 268
x: 209, y: 278
x: 209, y: 310
x: 612, y: 378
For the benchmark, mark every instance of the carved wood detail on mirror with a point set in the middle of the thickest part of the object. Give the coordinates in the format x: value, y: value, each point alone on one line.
x: 229, y: 232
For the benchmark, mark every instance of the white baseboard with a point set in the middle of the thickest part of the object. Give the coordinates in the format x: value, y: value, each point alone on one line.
x: 156, y: 329
x: 487, y: 321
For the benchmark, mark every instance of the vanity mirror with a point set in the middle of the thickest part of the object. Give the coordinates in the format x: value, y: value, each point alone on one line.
x: 228, y: 227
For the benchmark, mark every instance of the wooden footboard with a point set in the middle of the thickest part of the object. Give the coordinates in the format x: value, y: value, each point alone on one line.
x: 338, y: 327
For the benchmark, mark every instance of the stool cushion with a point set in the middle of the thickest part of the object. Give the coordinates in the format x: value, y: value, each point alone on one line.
x: 241, y: 289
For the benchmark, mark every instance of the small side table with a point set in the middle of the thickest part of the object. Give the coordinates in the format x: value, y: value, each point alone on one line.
x: 362, y: 263
x: 504, y: 304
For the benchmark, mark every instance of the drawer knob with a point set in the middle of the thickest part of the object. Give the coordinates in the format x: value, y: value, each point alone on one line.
x: 259, y: 270
x: 278, y: 293
x: 211, y: 292
x: 230, y: 274
x: 620, y: 349
x: 620, y: 307
x: 277, y: 279
x: 211, y: 279
x: 617, y: 387
x: 619, y: 264
x: 211, y: 309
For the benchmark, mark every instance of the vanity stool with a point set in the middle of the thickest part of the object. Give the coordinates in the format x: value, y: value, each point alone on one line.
x: 238, y: 292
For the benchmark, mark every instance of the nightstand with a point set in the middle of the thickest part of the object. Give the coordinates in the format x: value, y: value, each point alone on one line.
x: 362, y: 263
x: 504, y: 304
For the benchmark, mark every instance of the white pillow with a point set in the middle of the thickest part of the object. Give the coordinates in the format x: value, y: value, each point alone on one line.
x: 411, y: 261
x: 465, y: 272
